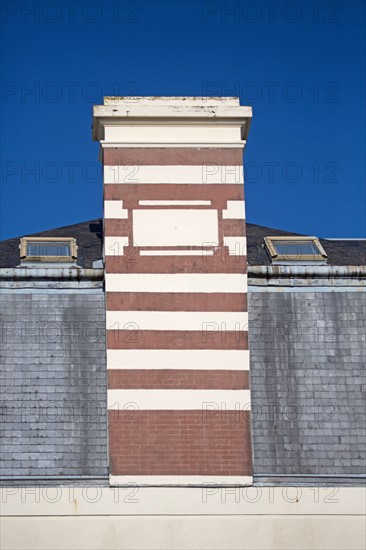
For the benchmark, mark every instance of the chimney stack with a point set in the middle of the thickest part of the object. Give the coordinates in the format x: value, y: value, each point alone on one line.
x: 176, y: 289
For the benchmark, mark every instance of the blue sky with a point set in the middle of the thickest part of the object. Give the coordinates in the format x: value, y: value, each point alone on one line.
x: 300, y: 64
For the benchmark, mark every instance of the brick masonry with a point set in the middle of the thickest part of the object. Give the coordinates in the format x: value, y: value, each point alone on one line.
x: 132, y: 193
x: 131, y: 262
x: 175, y: 442
x: 172, y: 156
x: 183, y: 301
x: 179, y: 442
x: 135, y: 338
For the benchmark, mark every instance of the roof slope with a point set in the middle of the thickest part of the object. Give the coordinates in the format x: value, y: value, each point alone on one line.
x: 89, y: 236
x: 340, y: 252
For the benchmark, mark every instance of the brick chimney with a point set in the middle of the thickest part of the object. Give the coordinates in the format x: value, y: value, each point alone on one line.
x: 176, y: 289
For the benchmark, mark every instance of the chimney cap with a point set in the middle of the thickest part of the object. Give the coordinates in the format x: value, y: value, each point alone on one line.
x: 163, y: 111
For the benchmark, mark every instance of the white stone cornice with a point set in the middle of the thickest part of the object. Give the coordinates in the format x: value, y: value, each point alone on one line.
x: 143, y: 144
x: 147, y: 111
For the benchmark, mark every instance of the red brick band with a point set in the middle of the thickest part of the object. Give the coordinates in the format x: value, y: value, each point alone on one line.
x: 176, y: 339
x: 172, y: 156
x: 218, y: 193
x: 132, y: 262
x: 175, y: 301
x: 179, y: 442
x: 178, y: 379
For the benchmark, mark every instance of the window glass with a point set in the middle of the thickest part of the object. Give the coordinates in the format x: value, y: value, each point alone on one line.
x: 53, y: 249
x: 295, y: 248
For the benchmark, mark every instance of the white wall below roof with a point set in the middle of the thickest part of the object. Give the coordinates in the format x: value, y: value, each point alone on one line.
x: 188, y: 532
x: 174, y: 518
x: 91, y: 500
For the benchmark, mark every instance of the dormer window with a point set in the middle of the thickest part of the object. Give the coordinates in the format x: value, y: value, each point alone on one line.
x: 295, y: 249
x: 48, y: 249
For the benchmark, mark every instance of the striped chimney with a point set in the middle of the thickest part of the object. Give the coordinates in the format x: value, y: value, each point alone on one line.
x: 176, y: 289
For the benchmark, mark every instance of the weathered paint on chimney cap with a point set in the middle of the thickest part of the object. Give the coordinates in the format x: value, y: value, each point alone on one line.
x: 169, y: 100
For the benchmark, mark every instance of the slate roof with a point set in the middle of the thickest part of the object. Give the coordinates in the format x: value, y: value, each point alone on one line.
x: 307, y: 381
x: 89, y: 236
x: 54, y: 384
x: 347, y: 252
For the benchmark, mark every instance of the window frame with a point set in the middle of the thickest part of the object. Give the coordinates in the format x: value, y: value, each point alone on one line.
x: 24, y: 241
x: 275, y: 256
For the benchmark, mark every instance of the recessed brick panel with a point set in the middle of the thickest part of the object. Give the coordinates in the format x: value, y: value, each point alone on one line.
x: 180, y: 443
